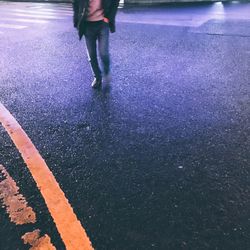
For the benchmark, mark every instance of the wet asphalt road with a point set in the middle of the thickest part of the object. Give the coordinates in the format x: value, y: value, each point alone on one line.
x: 159, y: 161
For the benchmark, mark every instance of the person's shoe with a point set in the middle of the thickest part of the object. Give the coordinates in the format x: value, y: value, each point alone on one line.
x: 97, y: 83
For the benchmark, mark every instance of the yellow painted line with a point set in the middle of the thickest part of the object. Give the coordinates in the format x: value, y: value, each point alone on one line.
x: 19, y: 211
x: 68, y: 226
x: 37, y: 242
x: 16, y: 205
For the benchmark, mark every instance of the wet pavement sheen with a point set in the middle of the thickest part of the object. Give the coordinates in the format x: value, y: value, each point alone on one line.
x: 160, y: 160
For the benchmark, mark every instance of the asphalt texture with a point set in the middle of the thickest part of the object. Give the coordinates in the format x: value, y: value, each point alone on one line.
x: 161, y: 159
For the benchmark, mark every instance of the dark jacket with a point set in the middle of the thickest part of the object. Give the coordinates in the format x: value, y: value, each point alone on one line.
x: 80, y: 8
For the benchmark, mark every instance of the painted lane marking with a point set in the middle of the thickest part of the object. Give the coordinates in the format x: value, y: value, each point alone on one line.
x: 182, y: 23
x: 69, y: 227
x: 35, y: 7
x: 19, y: 211
x: 16, y: 205
x: 37, y: 16
x: 23, y: 20
x: 51, y: 8
x: 12, y: 26
x: 69, y: 10
x: 37, y: 242
x: 40, y: 12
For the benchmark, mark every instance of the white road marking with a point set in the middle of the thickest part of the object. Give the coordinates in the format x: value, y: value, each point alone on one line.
x: 24, y: 20
x: 35, y: 7
x: 18, y: 17
x: 187, y: 23
x: 69, y: 10
x: 37, y: 16
x: 12, y: 26
x: 41, y: 12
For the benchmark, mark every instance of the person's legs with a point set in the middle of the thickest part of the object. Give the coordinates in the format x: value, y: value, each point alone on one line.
x: 103, y: 47
x: 91, y: 36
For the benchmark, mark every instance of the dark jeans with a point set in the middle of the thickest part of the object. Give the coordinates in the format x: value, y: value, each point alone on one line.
x: 98, y: 31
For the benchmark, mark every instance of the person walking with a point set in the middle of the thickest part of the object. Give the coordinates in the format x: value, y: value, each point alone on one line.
x: 94, y: 19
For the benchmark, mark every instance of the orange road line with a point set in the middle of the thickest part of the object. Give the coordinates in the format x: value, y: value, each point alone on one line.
x: 20, y: 213
x: 37, y: 242
x: 69, y: 227
x: 16, y: 205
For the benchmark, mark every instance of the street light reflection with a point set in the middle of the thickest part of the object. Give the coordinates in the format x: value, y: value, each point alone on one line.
x: 217, y: 10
